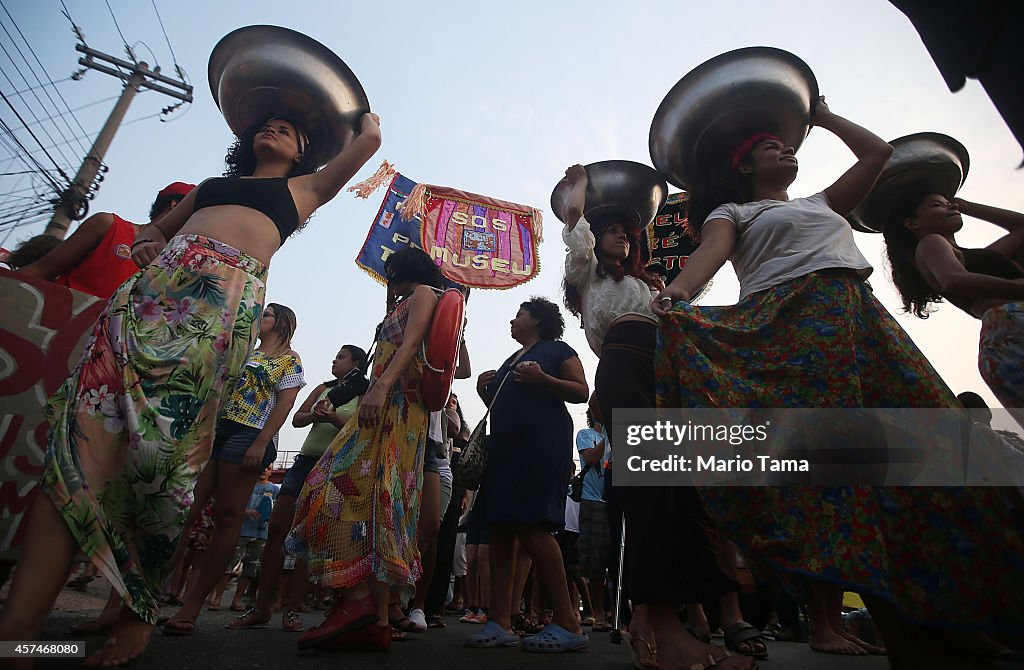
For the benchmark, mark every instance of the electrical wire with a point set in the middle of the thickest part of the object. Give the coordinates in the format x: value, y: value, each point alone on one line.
x: 42, y: 170
x: 128, y: 48
x: 164, y: 31
x: 46, y: 74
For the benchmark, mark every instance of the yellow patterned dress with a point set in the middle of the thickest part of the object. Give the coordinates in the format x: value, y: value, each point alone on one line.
x: 356, y: 514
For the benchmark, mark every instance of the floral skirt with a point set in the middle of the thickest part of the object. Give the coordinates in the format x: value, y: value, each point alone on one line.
x: 356, y: 515
x: 1001, y: 353
x: 133, y: 425
x: 947, y: 557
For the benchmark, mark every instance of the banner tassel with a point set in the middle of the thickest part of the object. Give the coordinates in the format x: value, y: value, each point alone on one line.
x: 538, y: 224
x: 415, y: 204
x: 366, y: 187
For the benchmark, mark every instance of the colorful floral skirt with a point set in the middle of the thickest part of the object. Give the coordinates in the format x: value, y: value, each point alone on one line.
x: 948, y: 557
x: 1001, y: 353
x: 356, y: 515
x: 133, y: 425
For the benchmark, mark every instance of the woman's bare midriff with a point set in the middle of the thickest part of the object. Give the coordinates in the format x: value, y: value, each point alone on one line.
x: 243, y: 228
x: 982, y: 305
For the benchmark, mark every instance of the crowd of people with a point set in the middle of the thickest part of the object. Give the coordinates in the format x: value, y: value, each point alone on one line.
x: 161, y: 439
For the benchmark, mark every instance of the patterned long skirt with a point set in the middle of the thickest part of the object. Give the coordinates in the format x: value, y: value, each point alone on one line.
x: 1001, y: 353
x: 948, y: 557
x: 356, y: 515
x: 133, y: 425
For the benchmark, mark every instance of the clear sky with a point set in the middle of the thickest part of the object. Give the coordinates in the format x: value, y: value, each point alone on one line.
x: 498, y: 99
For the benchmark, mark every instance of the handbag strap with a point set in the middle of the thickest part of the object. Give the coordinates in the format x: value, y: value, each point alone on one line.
x: 504, y: 379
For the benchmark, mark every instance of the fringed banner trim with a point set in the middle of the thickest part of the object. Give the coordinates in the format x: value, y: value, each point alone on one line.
x: 415, y: 204
x: 365, y: 188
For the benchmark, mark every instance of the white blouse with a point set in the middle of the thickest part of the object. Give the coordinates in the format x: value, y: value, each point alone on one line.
x: 604, y: 299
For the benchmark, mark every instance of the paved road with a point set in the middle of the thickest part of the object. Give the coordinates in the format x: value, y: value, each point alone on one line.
x: 212, y: 646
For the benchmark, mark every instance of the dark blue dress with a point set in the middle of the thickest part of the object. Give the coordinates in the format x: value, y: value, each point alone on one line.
x: 531, y: 446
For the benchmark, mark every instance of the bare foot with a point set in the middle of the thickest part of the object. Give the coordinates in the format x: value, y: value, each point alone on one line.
x: 830, y: 642
x: 129, y: 639
x: 866, y: 646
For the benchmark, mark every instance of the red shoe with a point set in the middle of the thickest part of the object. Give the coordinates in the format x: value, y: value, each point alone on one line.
x: 368, y: 638
x: 345, y: 616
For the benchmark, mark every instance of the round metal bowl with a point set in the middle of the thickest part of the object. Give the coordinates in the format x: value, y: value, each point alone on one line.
x: 258, y: 72
x: 726, y: 99
x: 626, y: 189
x: 933, y: 162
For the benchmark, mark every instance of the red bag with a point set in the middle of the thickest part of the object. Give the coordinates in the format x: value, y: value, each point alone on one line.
x: 441, y: 349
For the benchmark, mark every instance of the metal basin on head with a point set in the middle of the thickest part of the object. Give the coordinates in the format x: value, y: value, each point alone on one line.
x: 726, y: 99
x: 930, y: 162
x: 258, y: 72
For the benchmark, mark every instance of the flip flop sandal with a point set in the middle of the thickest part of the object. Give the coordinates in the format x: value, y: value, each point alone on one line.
x: 405, y: 624
x: 644, y: 655
x: 602, y: 627
x: 398, y: 635
x: 436, y: 621
x: 740, y: 632
x: 492, y: 635
x: 242, y: 623
x: 712, y: 661
x: 180, y: 628
x: 555, y: 639
x: 79, y: 583
x: 291, y: 622
x: 587, y: 621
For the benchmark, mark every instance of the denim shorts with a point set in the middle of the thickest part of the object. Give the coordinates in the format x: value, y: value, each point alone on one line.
x: 232, y: 441
x: 293, y: 480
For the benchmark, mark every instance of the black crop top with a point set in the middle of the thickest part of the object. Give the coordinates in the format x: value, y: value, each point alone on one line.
x: 268, y: 196
x: 984, y: 262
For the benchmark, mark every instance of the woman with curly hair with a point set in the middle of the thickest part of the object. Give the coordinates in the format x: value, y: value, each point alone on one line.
x: 928, y: 265
x: 356, y: 516
x: 133, y: 426
x: 522, y: 496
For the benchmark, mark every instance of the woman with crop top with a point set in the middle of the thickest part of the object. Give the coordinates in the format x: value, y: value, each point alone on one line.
x: 245, y: 446
x: 326, y: 420
x: 135, y: 421
x: 928, y: 265
x: 808, y: 333
x: 607, y: 286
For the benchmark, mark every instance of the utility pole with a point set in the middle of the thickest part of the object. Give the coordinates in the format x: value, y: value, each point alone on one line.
x: 73, y: 204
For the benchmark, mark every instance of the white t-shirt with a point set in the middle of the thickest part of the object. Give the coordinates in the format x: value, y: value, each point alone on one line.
x: 604, y: 299
x: 777, y: 241
x: 434, y: 430
x: 572, y: 515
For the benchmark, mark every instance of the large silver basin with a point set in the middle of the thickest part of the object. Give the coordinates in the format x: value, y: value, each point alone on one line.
x: 930, y: 161
x: 257, y: 72
x: 722, y: 101
x: 616, y: 188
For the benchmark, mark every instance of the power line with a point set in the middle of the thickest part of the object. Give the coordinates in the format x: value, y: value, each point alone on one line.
x: 164, y: 31
x: 127, y: 48
x: 46, y: 74
x: 29, y: 131
x: 37, y: 121
x: 18, y: 94
x: 42, y: 170
x: 76, y: 109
